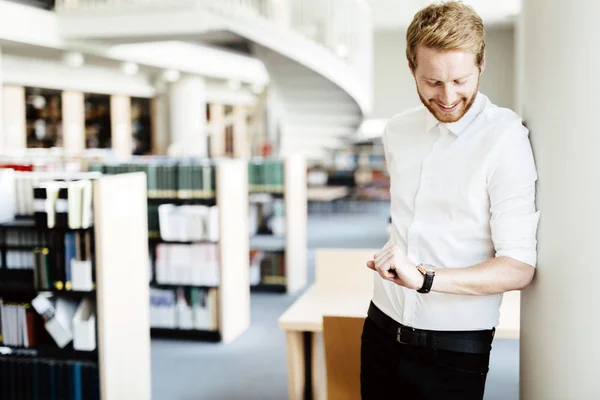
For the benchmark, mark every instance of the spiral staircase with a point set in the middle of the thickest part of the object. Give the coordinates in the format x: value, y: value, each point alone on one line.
x: 318, y: 53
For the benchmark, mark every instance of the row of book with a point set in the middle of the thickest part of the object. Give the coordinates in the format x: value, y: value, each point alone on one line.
x: 188, y: 223
x: 67, y: 264
x: 57, y: 260
x: 25, y: 238
x: 170, y: 178
x: 195, y: 178
x: 267, y: 268
x: 17, y: 324
x: 62, y: 320
x: 187, y: 264
x: 265, y: 175
x: 23, y: 377
x: 18, y: 191
x: 60, y: 204
x: 267, y: 217
x: 17, y: 259
x: 184, y: 308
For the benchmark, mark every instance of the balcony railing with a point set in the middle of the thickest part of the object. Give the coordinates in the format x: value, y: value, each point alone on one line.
x: 341, y: 26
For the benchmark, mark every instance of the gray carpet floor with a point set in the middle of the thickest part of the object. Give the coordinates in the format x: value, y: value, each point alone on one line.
x: 253, y: 367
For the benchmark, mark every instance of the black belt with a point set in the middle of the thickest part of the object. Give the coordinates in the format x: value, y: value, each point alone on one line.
x: 478, y: 342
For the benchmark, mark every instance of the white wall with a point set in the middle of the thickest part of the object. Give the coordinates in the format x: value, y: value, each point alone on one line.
x: 498, y: 80
x: 393, y: 83
x: 395, y: 87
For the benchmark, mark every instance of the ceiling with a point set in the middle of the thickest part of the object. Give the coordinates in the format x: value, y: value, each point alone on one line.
x: 397, y: 14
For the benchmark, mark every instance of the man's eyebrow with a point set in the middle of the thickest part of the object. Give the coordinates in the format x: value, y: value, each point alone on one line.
x: 455, y: 79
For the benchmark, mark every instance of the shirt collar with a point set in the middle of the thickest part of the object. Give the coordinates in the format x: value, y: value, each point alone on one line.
x: 462, y: 124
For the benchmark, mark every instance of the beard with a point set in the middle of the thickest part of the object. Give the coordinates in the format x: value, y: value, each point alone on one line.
x: 446, y: 118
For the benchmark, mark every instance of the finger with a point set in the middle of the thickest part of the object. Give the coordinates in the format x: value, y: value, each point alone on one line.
x: 387, y: 275
x: 384, y: 251
x: 371, y: 265
x: 384, y: 261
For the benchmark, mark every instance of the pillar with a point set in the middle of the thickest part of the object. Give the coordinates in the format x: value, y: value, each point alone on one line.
x: 187, y: 106
x: 217, y: 129
x: 73, y: 121
x: 241, y: 139
x: 160, y: 123
x: 519, y: 64
x: 14, y: 126
x: 560, y: 320
x: 121, y: 129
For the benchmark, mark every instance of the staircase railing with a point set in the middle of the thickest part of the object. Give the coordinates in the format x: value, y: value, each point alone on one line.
x: 341, y: 26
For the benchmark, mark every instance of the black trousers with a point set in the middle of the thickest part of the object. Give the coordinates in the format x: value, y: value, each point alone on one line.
x: 391, y: 370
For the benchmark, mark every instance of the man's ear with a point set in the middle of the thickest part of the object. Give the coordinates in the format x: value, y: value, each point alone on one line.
x: 483, y: 64
x: 412, y: 71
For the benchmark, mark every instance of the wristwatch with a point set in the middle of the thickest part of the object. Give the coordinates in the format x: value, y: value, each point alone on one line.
x: 428, y: 272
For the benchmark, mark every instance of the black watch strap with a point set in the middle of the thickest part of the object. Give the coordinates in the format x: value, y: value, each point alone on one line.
x: 427, y: 283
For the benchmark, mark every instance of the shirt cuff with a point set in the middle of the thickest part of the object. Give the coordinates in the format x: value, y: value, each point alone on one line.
x: 515, y: 237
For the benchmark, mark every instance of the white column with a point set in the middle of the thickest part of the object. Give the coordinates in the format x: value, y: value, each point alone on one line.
x: 160, y: 123
x: 73, y: 121
x: 187, y: 105
x: 519, y: 64
x: 14, y: 124
x: 121, y: 129
x: 241, y: 140
x: 560, y: 320
x: 217, y: 130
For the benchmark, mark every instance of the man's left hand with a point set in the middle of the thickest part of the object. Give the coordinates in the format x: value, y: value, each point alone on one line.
x: 392, y: 265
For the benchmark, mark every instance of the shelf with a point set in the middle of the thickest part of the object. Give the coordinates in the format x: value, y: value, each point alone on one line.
x: 27, y: 288
x: 20, y: 281
x: 159, y: 240
x: 167, y: 333
x: 52, y: 352
x: 265, y: 288
x: 268, y: 243
x: 17, y: 247
x: 176, y: 285
x: 276, y: 194
x: 209, y: 201
x: 261, y: 197
x: 29, y: 224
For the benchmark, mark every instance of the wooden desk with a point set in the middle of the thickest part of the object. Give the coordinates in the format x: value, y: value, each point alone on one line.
x: 344, y: 295
x: 303, y: 326
x: 336, y: 292
x: 327, y: 193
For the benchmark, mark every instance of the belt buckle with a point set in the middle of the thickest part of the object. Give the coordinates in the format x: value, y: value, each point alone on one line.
x: 399, y: 336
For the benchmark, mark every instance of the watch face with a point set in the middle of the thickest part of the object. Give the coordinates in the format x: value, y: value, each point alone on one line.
x: 425, y: 268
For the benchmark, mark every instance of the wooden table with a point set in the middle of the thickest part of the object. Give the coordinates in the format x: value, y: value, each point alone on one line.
x: 327, y: 193
x: 336, y: 292
x: 345, y: 295
x: 303, y: 326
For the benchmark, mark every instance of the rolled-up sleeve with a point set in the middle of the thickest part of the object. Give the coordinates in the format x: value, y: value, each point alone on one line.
x: 511, y: 188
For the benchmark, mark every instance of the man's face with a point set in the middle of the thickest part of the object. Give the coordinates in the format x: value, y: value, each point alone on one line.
x: 447, y: 82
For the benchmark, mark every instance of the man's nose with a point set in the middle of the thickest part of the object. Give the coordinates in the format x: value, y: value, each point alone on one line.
x: 448, y: 95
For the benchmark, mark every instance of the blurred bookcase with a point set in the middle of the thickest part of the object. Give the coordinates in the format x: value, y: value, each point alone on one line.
x: 198, y: 245
x: 100, y: 349
x: 277, y: 223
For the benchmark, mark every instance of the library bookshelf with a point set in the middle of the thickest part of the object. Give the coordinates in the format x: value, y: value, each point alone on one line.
x: 117, y: 363
x: 175, y: 183
x: 288, y: 186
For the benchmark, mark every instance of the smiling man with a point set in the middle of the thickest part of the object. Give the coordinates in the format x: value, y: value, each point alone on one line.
x: 464, y: 221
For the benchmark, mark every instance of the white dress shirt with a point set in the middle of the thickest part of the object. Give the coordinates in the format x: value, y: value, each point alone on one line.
x: 461, y: 193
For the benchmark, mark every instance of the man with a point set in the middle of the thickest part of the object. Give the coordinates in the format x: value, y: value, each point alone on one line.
x: 464, y: 221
